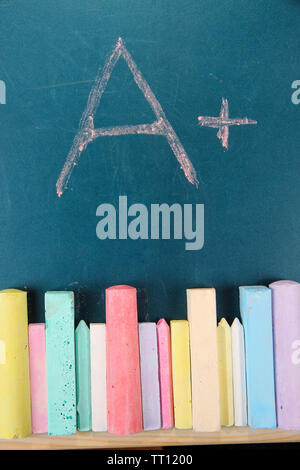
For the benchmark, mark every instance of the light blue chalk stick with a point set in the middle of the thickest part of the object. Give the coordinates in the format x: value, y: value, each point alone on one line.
x: 60, y: 359
x: 83, y: 377
x: 256, y: 313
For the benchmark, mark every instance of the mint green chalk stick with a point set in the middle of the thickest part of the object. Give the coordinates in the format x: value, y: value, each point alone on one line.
x: 60, y: 359
x: 83, y: 377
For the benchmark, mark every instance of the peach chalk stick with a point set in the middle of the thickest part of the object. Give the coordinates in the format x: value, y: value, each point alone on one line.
x: 98, y: 377
x: 165, y: 374
x: 124, y: 399
x: 225, y: 373
x: 180, y: 346
x: 38, y: 377
x: 202, y: 316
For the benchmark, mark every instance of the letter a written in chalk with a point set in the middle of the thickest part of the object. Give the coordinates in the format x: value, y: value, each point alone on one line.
x: 87, y: 132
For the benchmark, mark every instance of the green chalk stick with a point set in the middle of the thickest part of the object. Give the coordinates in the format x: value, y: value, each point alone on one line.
x: 60, y: 359
x: 83, y: 377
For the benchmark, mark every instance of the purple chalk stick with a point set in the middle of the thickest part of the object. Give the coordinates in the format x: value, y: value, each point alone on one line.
x: 149, y: 376
x: 286, y: 324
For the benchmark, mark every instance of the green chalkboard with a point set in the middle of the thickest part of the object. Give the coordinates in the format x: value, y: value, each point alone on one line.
x: 187, y: 102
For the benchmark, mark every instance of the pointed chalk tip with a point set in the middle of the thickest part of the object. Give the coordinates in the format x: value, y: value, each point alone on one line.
x: 223, y: 323
x: 162, y: 323
x: 82, y: 326
x: 236, y: 323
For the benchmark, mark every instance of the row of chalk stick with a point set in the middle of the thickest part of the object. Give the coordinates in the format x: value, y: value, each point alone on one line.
x: 123, y: 377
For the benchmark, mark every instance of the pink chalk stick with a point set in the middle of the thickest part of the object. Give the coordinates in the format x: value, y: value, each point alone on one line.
x: 38, y: 377
x: 165, y: 374
x: 124, y: 400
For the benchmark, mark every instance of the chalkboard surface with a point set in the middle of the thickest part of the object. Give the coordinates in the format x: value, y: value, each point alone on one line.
x: 200, y: 59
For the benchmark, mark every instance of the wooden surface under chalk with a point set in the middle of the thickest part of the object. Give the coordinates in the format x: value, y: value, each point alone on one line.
x: 146, y: 439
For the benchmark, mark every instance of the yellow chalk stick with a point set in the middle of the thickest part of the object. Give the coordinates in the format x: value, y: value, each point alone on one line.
x: 15, y: 412
x: 180, y: 344
x: 225, y: 373
x: 202, y: 316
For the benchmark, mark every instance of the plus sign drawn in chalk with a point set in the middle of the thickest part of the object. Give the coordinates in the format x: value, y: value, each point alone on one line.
x: 222, y: 122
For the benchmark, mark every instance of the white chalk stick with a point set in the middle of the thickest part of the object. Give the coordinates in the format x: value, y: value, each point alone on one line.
x: 98, y: 377
x: 239, y: 374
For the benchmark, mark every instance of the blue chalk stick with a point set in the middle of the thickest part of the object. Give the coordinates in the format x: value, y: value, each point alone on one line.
x: 60, y: 359
x: 256, y: 313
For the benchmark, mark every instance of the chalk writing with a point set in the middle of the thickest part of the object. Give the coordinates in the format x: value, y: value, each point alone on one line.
x: 87, y: 133
x: 223, y: 122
